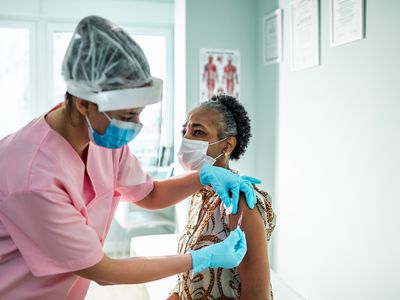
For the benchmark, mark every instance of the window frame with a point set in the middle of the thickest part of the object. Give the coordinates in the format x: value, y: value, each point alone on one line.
x: 51, y: 28
x: 31, y: 26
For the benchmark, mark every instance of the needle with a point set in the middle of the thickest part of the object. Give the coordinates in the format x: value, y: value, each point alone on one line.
x: 228, y: 210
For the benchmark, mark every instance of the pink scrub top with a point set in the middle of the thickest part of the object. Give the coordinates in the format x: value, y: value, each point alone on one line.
x: 55, y: 211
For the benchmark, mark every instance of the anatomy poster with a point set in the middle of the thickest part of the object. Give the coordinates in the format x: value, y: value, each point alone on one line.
x: 219, y: 73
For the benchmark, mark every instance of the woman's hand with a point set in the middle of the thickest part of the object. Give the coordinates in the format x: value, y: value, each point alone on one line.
x: 226, y: 254
x: 224, y: 182
x: 173, y: 296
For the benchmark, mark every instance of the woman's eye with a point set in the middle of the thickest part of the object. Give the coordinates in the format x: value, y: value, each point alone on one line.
x: 129, y: 118
x: 198, y: 132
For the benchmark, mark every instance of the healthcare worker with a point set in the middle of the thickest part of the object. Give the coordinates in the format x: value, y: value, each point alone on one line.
x: 63, y: 174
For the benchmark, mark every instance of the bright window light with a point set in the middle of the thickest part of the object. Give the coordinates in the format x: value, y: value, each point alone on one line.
x: 14, y: 79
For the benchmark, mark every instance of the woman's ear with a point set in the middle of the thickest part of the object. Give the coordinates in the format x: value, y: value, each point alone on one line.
x: 82, y: 106
x: 230, y: 145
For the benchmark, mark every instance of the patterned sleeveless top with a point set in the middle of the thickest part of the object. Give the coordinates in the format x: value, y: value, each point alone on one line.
x: 208, y: 224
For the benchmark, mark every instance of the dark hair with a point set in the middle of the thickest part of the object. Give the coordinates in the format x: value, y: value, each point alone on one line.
x: 234, y: 121
x: 68, y: 103
x: 71, y: 111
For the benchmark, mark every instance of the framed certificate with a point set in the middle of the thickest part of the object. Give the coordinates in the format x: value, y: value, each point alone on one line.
x: 347, y: 21
x: 272, y: 37
x: 304, y: 34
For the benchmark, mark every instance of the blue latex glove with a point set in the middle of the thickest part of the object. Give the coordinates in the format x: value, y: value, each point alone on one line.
x: 223, y: 181
x: 252, y: 180
x: 248, y: 190
x: 226, y: 254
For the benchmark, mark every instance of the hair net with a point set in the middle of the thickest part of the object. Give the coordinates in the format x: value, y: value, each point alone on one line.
x: 104, y: 65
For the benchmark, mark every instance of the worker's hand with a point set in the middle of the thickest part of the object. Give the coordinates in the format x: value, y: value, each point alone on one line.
x: 224, y: 181
x: 246, y: 186
x: 226, y: 254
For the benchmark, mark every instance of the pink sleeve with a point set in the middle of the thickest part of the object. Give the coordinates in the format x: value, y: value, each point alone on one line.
x: 132, y: 182
x: 50, y: 233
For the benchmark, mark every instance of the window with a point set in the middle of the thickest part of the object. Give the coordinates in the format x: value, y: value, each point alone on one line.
x: 147, y: 145
x: 60, y: 44
x: 15, y: 76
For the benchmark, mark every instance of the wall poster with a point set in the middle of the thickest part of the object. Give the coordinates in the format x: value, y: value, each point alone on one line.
x: 219, y: 73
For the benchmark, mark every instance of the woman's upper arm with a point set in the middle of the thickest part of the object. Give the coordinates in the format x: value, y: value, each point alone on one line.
x: 132, y: 182
x: 254, y: 269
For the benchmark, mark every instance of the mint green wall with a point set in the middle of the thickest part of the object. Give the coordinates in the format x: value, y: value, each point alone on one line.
x: 267, y: 105
x: 237, y: 25
x: 226, y: 24
x: 339, y: 164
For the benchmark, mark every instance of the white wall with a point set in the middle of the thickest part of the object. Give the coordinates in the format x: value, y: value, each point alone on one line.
x: 339, y: 165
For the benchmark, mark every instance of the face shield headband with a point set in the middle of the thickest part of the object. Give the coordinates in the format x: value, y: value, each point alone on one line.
x: 123, y: 98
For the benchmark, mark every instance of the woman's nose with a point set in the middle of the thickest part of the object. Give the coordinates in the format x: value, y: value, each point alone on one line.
x: 189, y: 135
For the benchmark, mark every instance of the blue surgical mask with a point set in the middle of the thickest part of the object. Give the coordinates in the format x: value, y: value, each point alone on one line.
x: 118, y: 133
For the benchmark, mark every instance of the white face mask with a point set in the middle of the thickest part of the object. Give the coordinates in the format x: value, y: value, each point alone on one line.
x: 193, y: 154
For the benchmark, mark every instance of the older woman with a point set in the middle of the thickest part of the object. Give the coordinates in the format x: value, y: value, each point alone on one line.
x: 214, y: 133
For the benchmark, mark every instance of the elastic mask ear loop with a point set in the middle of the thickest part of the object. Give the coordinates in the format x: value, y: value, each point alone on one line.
x: 107, y: 116
x: 90, y: 124
x: 90, y: 129
x: 222, y: 153
x: 217, y: 141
